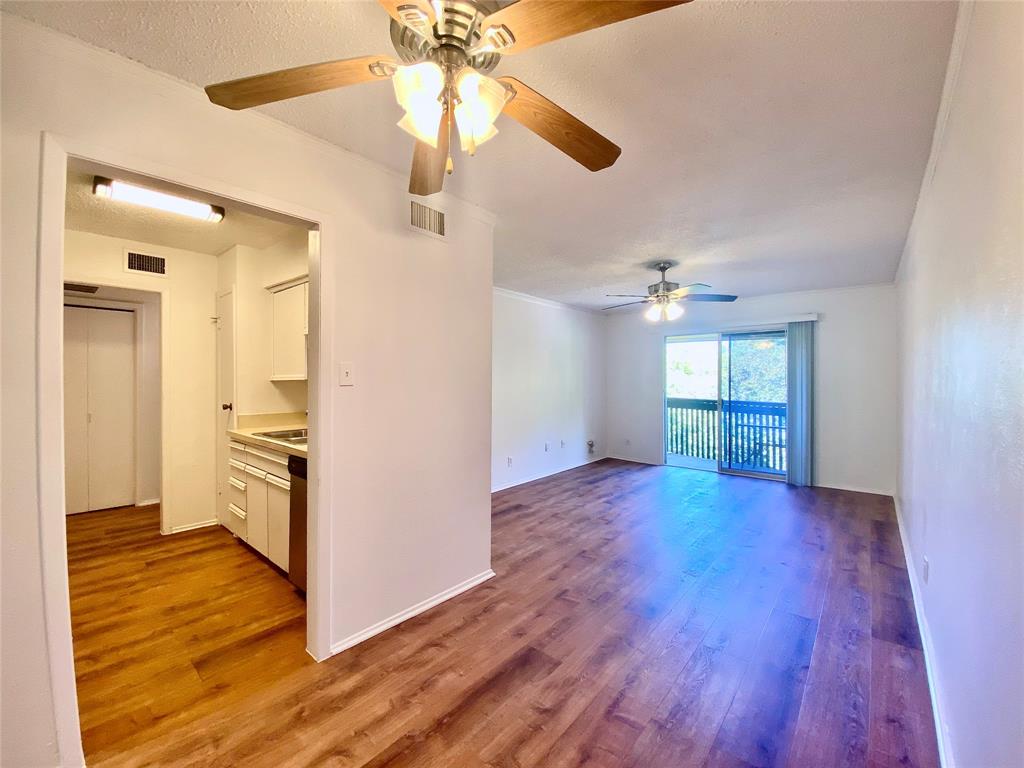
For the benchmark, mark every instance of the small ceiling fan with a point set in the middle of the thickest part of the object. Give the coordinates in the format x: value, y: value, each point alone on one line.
x: 447, y: 47
x: 664, y: 296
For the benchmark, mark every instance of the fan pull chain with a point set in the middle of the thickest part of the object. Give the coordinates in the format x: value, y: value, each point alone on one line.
x: 449, y: 166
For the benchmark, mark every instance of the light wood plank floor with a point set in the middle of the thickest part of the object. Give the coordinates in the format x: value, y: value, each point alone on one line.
x: 650, y: 617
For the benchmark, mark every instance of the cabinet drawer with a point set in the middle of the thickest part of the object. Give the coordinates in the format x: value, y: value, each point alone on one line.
x: 237, y: 450
x: 269, y: 461
x: 236, y: 522
x: 236, y: 469
x: 236, y: 492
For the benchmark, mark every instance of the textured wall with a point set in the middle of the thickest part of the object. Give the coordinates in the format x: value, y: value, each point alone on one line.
x: 962, y: 484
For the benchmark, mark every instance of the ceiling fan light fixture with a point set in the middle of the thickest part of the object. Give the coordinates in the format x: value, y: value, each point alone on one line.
x: 481, y: 100
x: 663, y: 311
x: 418, y: 91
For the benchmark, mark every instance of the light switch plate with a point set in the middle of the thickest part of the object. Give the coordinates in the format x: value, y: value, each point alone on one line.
x: 346, y: 375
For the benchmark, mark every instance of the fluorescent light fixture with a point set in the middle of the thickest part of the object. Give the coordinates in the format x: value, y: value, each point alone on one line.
x: 123, y: 192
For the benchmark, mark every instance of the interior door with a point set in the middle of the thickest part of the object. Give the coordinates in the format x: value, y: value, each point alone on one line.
x: 111, y: 392
x: 753, y: 403
x: 225, y: 397
x: 76, y: 410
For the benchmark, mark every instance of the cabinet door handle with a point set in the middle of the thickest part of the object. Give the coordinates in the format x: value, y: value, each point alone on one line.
x: 227, y: 406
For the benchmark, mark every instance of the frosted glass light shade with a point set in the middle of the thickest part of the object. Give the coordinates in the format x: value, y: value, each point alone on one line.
x: 481, y: 100
x: 418, y: 90
x: 673, y: 311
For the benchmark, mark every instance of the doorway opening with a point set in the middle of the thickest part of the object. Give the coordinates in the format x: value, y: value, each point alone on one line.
x: 726, y: 401
x: 186, y: 424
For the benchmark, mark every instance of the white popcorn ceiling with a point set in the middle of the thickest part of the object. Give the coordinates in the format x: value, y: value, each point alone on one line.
x: 768, y: 146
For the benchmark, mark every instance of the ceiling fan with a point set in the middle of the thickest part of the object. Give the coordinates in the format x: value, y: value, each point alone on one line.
x: 664, y: 296
x: 447, y: 47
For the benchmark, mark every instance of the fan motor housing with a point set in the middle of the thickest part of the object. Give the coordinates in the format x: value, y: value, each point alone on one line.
x: 457, y: 26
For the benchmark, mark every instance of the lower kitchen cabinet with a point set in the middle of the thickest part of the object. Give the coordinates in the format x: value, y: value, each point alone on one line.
x: 278, y: 491
x: 258, y: 508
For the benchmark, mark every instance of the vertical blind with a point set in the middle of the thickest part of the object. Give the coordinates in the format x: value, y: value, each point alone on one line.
x: 800, y: 402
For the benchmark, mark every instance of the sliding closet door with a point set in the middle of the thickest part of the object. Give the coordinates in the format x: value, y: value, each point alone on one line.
x: 99, y: 408
x: 111, y: 387
x: 76, y: 410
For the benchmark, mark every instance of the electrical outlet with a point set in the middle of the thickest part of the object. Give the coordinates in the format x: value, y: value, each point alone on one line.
x: 924, y: 570
x: 510, y: 461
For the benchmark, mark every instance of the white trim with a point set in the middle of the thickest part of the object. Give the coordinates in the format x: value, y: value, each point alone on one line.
x: 147, y: 502
x: 194, y: 526
x: 545, y: 302
x: 55, y: 152
x: 542, y: 475
x: 408, y: 613
x: 291, y: 282
x: 928, y: 648
x: 854, y: 489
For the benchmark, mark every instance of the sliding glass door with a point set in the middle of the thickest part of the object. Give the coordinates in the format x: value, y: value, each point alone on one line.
x: 752, y: 402
x: 725, y: 402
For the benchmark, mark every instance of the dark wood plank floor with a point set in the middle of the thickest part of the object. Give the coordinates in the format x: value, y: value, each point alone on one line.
x: 650, y: 617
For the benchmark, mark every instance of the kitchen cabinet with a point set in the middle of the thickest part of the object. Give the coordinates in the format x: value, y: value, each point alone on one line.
x: 278, y: 491
x: 259, y: 501
x: 290, y: 312
x: 256, y: 509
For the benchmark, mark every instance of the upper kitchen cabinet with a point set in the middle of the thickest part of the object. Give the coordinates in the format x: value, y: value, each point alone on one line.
x: 290, y: 310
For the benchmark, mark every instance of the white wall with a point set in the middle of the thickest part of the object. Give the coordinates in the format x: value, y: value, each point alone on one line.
x: 548, y: 387
x: 962, y: 312
x: 409, y: 518
x: 190, y: 366
x: 855, y: 389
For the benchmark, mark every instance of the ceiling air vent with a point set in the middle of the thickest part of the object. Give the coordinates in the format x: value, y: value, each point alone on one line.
x: 426, y: 219
x: 143, y: 262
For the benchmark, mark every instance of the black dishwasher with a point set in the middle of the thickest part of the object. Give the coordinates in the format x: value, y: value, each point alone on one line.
x: 297, y: 522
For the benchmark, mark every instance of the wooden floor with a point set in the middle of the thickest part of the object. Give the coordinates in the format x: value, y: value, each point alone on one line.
x: 650, y: 617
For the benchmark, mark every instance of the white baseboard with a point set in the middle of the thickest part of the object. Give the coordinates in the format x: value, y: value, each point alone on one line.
x: 408, y: 613
x: 928, y: 650
x: 542, y: 475
x: 193, y: 526
x: 147, y: 502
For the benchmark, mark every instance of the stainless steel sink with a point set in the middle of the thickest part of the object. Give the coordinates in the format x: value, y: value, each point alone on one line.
x: 290, y: 436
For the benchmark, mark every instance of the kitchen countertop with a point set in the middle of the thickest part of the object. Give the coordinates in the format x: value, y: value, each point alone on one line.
x: 248, y: 436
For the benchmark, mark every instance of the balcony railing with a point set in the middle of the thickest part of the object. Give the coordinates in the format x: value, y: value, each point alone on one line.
x: 752, y: 433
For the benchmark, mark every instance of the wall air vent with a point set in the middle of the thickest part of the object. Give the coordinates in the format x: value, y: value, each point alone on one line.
x: 80, y: 288
x: 143, y: 262
x: 426, y: 219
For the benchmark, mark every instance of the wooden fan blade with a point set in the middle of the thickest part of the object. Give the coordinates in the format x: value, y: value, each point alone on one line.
x: 685, y: 288
x: 428, y: 163
x: 707, y: 297
x: 299, y: 81
x: 557, y: 127
x: 535, y: 22
x: 627, y: 304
